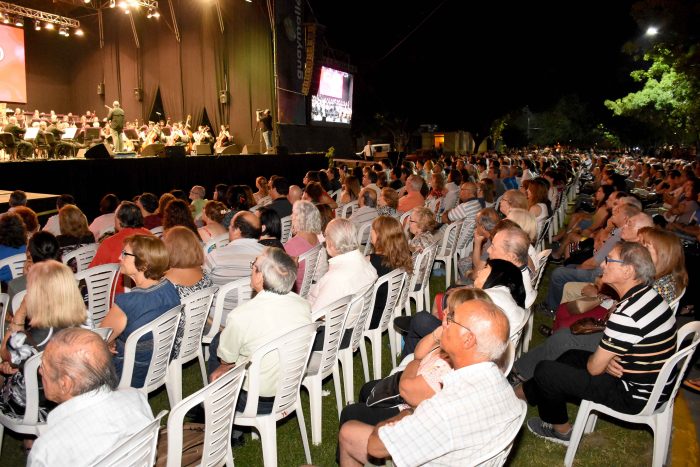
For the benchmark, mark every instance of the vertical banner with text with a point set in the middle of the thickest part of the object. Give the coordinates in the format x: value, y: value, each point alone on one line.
x: 291, y: 60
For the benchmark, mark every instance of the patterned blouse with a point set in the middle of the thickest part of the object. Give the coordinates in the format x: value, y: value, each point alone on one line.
x: 421, y: 241
x: 183, y: 291
x: 666, y: 287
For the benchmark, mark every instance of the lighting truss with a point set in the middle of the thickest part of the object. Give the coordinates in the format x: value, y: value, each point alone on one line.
x: 16, y: 10
x: 139, y: 3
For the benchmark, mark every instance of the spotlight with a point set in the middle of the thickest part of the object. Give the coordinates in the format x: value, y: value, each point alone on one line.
x: 150, y: 13
x: 6, y: 19
x: 127, y: 11
x: 156, y: 14
x: 122, y: 4
x: 79, y: 32
x: 19, y: 22
x: 49, y: 26
x: 88, y: 1
x: 112, y: 3
x: 37, y: 25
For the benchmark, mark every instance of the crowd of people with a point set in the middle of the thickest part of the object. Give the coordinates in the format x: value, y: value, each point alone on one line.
x: 622, y: 249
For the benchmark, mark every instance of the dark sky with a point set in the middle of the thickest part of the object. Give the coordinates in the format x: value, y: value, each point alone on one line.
x: 472, y: 61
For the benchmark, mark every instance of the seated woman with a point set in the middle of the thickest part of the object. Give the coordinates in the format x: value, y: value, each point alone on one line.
x: 13, y: 240
x: 262, y: 194
x: 271, y: 225
x: 306, y: 228
x: 30, y: 219
x: 185, y: 257
x: 52, y: 303
x: 42, y: 246
x: 105, y: 221
x: 238, y: 198
x: 390, y: 252
x: 212, y: 216
x: 351, y: 190
x: 74, y: 230
x: 388, y: 203
x: 421, y: 226
x: 315, y: 193
x: 684, y: 211
x: 526, y: 221
x: 538, y: 202
x: 145, y: 260
x: 177, y: 212
x: 438, y: 191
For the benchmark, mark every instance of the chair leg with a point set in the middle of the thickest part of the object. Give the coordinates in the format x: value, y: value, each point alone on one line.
x: 203, y: 366
x: 590, y: 423
x: 314, y: 387
x: 346, y: 360
x: 577, y: 432
x: 267, y: 427
x: 376, y: 340
x: 173, y: 383
x: 337, y: 387
x: 2, y: 437
x: 393, y: 338
x: 426, y: 292
x: 302, y: 429
x: 528, y: 333
x: 448, y: 271
x: 363, y: 355
x: 662, y: 425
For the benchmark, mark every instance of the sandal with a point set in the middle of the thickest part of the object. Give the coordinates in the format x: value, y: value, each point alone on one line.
x: 545, y: 330
x: 692, y: 384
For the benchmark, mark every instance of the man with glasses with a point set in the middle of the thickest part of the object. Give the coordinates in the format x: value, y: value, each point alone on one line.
x: 472, y: 414
x: 639, y: 337
x: 468, y: 208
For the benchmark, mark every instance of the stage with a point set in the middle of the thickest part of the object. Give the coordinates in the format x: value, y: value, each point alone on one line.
x: 89, y: 179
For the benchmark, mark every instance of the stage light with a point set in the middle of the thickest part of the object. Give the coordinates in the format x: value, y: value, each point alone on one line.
x: 122, y: 4
x: 652, y: 31
x: 88, y: 1
x: 19, y: 22
x: 6, y: 19
x: 127, y: 11
x: 150, y: 13
x: 112, y: 3
x: 49, y: 26
x: 37, y: 25
x: 79, y: 32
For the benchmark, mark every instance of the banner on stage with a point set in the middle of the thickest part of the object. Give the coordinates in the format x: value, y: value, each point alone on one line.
x: 291, y: 60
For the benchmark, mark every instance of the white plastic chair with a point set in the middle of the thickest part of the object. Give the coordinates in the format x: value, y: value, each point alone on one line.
x: 422, y: 268
x: 404, y: 219
x: 216, y: 242
x: 310, y: 260
x: 15, y: 263
x: 138, y: 450
x: 14, y: 305
x: 293, y: 349
x: 227, y: 298
x: 83, y: 256
x: 194, y: 316
x: 219, y: 400
x: 517, y: 332
x: 447, y: 249
x: 100, y: 282
x: 542, y: 236
x: 286, y: 229
x: 394, y: 283
x: 363, y: 238
x: 4, y: 305
x: 346, y: 209
x: 540, y: 266
x: 465, y: 243
x: 659, y: 420
x: 163, y: 330
x: 498, y: 456
x: 673, y: 305
x: 29, y: 424
x: 158, y: 231
x: 359, y: 310
x: 322, y: 364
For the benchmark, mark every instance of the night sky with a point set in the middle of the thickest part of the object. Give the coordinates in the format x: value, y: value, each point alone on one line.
x: 473, y: 61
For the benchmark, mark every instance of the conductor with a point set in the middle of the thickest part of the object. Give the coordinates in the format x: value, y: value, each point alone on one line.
x: 116, y: 125
x: 265, y: 118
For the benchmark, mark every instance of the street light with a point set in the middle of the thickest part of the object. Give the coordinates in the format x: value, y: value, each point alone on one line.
x: 652, y: 31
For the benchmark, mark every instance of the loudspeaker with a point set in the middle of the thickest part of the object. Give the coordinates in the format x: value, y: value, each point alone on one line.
x: 155, y: 149
x: 81, y: 153
x: 223, y: 97
x: 138, y: 94
x: 229, y: 150
x: 202, y: 150
x: 98, y: 151
x: 100, y: 89
x: 251, y: 149
x: 174, y: 151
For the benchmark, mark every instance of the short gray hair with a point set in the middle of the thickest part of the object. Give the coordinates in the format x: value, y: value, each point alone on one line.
x: 631, y: 200
x: 635, y: 255
x: 369, y: 197
x: 342, y: 233
x: 278, y: 269
x: 489, y: 342
x: 307, y: 217
x: 415, y: 181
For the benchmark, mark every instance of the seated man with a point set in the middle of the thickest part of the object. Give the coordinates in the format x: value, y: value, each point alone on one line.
x: 367, y: 211
x: 93, y: 416
x: 467, y: 209
x: 413, y: 197
x: 470, y: 415
x: 639, y: 337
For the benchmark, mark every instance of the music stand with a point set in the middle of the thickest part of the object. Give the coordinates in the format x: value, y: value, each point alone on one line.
x: 92, y: 134
x: 31, y: 134
x: 131, y: 134
x: 69, y: 134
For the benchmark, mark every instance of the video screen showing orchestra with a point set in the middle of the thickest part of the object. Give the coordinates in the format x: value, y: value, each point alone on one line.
x: 333, y: 102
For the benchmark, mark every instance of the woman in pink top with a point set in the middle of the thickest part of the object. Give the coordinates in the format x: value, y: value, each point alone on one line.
x: 306, y: 227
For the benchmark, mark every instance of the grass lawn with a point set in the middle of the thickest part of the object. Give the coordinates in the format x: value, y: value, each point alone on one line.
x: 611, y: 444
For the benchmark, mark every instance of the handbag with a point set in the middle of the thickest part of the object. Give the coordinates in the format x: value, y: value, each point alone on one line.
x: 192, y: 445
x: 385, y: 394
x: 582, y: 305
x: 588, y: 326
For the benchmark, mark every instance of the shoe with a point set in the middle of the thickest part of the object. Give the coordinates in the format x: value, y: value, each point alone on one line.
x: 542, y: 309
x: 196, y: 414
x: 546, y: 430
x: 237, y: 441
x: 514, y: 378
x: 545, y: 330
x: 692, y: 384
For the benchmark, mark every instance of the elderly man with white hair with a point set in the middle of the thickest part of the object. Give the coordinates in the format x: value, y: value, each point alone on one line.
x: 367, y: 211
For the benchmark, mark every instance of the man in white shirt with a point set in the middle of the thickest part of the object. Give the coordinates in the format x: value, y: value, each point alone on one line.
x: 473, y: 413
x: 52, y: 223
x: 232, y: 261
x: 93, y: 416
x: 369, y: 180
x: 511, y: 244
x: 367, y: 211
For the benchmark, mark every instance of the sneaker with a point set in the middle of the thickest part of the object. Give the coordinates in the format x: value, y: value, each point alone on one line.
x: 546, y: 430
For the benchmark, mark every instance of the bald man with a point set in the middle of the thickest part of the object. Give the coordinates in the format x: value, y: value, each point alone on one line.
x: 233, y: 261
x: 294, y: 194
x: 472, y: 414
x: 93, y: 416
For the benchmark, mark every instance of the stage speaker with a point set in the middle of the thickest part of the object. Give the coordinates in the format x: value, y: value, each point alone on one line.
x: 251, y: 149
x: 100, y: 89
x: 223, y: 97
x: 81, y: 153
x: 155, y: 149
x: 202, y: 149
x: 231, y: 150
x: 174, y: 151
x: 98, y: 151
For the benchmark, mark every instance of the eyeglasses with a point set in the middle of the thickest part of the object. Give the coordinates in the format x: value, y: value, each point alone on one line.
x: 412, y: 221
x: 126, y: 253
x: 608, y: 259
x: 451, y: 319
x: 253, y: 265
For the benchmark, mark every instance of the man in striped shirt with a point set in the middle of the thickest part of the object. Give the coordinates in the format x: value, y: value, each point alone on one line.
x: 640, y: 336
x: 468, y: 208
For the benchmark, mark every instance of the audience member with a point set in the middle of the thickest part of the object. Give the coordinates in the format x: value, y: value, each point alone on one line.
x: 105, y: 221
x: 212, y: 216
x: 52, y: 223
x: 232, y: 261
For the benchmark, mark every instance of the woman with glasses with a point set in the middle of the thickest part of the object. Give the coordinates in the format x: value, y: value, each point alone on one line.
x: 421, y: 225
x: 145, y: 260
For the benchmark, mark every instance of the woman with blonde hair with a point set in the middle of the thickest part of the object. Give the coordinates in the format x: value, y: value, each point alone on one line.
x: 145, y: 260
x: 421, y: 226
x: 306, y: 228
x: 53, y: 302
x: 391, y: 252
x: 388, y: 203
x: 212, y: 217
x: 261, y: 185
x: 526, y: 220
x: 351, y: 190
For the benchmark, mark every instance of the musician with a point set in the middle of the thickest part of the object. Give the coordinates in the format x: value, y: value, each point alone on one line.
x: 202, y: 135
x: 153, y: 135
x: 116, y: 120
x: 224, y: 139
x: 20, y: 120
x: 265, y: 119
x: 24, y: 148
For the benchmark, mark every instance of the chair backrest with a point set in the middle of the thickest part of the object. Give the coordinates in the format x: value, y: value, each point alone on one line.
x: 138, y: 449
x: 346, y: 209
x: 540, y: 266
x: 334, y: 316
x: 673, y: 305
x: 195, y: 313
x: 499, y: 454
x: 83, y: 256
x: 310, y: 261
x: 219, y: 400
x: 448, y: 243
x: 466, y: 235
x: 286, y: 228
x: 293, y: 349
x: 363, y: 233
x: 163, y: 330
x: 359, y: 310
x: 228, y: 297
x: 158, y: 231
x: 674, y: 367
x: 423, y: 267
x: 100, y: 281
x: 31, y: 382
x: 17, y: 300
x: 539, y: 246
x: 15, y: 263
x: 516, y: 332
x: 394, y: 281
x: 104, y: 333
x: 216, y: 242
x: 4, y: 305
x: 403, y: 219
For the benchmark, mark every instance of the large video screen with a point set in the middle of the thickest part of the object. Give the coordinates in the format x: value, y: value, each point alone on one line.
x: 333, y: 102
x: 13, y: 79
